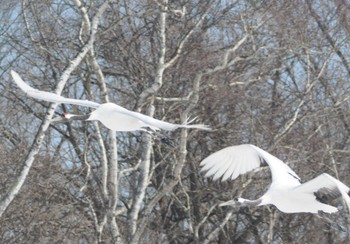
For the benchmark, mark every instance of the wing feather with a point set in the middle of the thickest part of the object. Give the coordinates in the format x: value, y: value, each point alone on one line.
x: 216, y: 165
x: 213, y: 162
x: 279, y: 170
x: 241, y: 159
x: 48, y: 96
x: 220, y: 167
x: 241, y: 167
x: 231, y: 162
x: 231, y: 170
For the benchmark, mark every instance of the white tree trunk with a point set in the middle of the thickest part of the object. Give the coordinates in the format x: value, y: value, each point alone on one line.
x: 13, y: 191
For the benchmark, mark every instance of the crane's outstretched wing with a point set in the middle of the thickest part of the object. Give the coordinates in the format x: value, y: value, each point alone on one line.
x: 279, y: 170
x: 48, y: 96
x: 233, y: 161
x: 325, y: 186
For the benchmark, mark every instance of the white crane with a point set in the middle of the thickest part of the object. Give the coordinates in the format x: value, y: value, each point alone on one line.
x: 111, y: 115
x: 285, y: 192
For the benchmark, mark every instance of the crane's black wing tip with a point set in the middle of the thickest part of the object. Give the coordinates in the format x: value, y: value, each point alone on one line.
x: 326, y: 195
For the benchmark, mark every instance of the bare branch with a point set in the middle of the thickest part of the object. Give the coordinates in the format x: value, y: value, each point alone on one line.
x: 7, y: 199
x: 213, y: 234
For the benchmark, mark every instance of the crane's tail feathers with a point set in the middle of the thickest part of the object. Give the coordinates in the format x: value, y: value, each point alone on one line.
x: 187, y: 124
x: 197, y: 126
x: 189, y: 121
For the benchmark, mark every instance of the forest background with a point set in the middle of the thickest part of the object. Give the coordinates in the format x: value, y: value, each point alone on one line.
x: 272, y: 73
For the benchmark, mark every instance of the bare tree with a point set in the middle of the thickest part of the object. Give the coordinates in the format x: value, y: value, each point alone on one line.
x: 271, y: 73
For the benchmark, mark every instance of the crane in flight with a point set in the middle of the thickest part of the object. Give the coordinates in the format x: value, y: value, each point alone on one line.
x: 111, y: 115
x: 285, y: 192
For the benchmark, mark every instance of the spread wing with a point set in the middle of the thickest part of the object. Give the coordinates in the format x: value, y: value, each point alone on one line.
x: 233, y: 161
x: 279, y: 170
x: 48, y: 96
x: 325, y: 187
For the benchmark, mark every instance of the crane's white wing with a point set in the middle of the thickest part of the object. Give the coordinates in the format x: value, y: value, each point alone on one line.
x: 325, y: 184
x: 48, y: 96
x: 156, y: 124
x: 280, y: 171
x: 233, y: 161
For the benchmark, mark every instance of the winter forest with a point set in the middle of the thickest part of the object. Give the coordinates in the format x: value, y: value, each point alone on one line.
x: 271, y: 73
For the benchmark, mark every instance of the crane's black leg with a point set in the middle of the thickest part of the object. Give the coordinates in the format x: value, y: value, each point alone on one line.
x: 162, y: 138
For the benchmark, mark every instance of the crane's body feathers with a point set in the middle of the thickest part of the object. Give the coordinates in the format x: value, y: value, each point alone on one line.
x: 111, y: 115
x: 285, y: 192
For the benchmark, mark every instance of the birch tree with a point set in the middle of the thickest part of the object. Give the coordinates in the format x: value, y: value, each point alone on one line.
x: 270, y: 73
